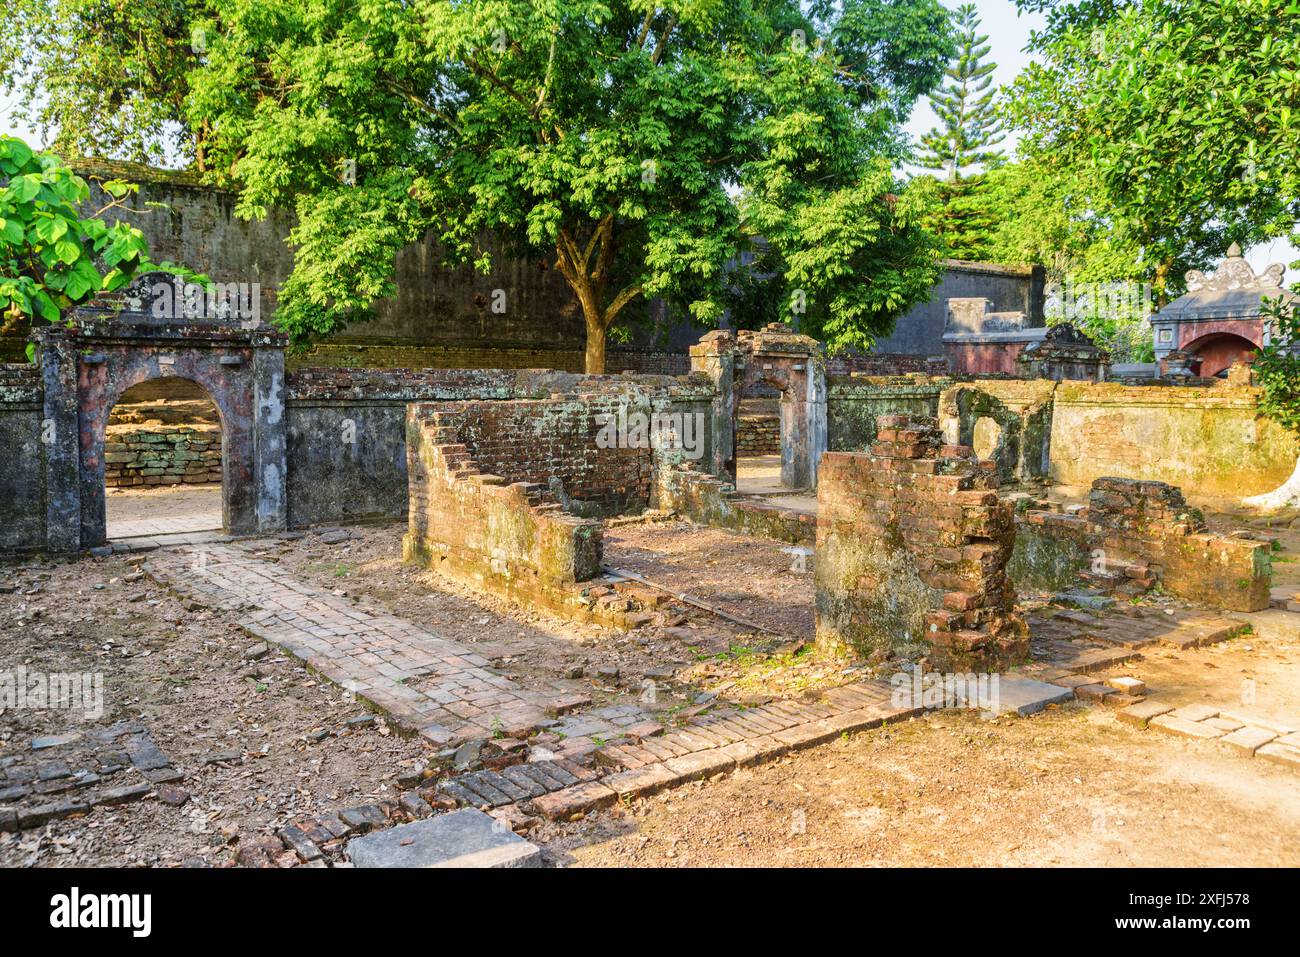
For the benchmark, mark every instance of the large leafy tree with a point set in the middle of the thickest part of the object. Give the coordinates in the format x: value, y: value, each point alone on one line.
x: 642, y: 145
x: 103, y: 77
x: 52, y: 257
x: 1184, y: 116
x: 969, y: 129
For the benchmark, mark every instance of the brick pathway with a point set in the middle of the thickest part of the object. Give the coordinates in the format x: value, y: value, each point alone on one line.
x: 427, y: 684
x: 1083, y: 642
x: 642, y: 763
x: 1247, y: 734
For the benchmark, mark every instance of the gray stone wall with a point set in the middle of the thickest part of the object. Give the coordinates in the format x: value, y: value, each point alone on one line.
x: 22, y: 491
x: 1008, y: 289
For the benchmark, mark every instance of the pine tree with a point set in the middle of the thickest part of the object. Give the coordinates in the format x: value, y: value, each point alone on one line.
x: 964, y: 105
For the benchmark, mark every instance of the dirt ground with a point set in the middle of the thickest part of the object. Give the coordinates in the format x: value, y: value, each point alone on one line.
x: 1069, y: 787
x: 1072, y: 786
x: 150, y: 510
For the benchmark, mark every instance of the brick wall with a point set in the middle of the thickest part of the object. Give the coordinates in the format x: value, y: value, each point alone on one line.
x: 912, y: 547
x: 758, y: 433
x: 1133, y: 535
x: 887, y: 365
x: 509, y: 537
x: 161, y: 455
x: 545, y: 441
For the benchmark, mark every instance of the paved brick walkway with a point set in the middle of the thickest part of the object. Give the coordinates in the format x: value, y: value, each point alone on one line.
x: 1083, y: 642
x: 427, y: 684
x: 640, y: 764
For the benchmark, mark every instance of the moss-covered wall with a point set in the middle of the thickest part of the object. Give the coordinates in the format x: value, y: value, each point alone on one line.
x: 1208, y: 441
x: 854, y: 403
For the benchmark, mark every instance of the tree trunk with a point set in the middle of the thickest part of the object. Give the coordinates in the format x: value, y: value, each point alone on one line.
x: 1286, y: 494
x: 1162, y: 282
x: 595, y: 362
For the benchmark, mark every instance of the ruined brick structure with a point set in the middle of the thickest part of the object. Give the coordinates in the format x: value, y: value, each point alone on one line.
x: 512, y: 538
x: 912, y: 547
x: 1134, y: 535
x: 502, y: 493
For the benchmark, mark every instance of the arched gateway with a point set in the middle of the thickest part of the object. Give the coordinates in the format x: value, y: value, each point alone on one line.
x: 146, y: 333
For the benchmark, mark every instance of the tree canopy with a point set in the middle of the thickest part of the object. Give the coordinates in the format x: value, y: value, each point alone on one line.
x: 52, y: 257
x: 105, y: 79
x: 641, y: 145
x: 1182, y: 118
x: 969, y: 129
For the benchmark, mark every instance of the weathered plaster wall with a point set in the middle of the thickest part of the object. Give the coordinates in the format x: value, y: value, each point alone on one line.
x: 855, y: 402
x: 1008, y: 288
x: 22, y: 487
x: 1012, y: 417
x: 1210, y: 442
x: 347, y: 433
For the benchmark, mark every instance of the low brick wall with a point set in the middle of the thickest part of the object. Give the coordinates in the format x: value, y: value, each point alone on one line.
x: 161, y: 455
x: 912, y: 548
x: 1210, y: 442
x: 508, y: 537
x: 556, y: 443
x: 1134, y: 535
x: 758, y: 434
x: 887, y: 364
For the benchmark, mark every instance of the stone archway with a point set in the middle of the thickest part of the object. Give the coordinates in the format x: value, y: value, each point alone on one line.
x: 1219, y: 350
x: 105, y: 350
x: 784, y: 360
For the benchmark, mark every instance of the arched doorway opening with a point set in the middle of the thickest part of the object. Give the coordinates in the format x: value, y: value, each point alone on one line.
x: 163, y: 461
x: 1218, y: 351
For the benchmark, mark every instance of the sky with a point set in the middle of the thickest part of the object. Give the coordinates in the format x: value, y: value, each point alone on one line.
x: 1008, y: 31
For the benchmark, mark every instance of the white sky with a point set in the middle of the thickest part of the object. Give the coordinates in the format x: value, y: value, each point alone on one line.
x: 1008, y: 32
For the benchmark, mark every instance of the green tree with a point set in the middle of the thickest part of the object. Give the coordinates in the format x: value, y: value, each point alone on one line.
x: 968, y: 127
x: 1183, y: 116
x: 105, y: 78
x: 51, y: 256
x: 642, y: 145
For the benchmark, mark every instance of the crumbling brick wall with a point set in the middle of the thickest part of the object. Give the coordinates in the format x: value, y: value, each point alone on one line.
x: 1133, y: 535
x: 912, y: 547
x: 508, y: 537
x: 555, y: 443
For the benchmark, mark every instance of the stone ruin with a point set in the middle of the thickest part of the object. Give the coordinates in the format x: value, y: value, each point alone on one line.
x: 1133, y: 536
x: 912, y: 549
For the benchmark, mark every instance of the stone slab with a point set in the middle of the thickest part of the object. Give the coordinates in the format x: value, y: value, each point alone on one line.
x: 1280, y: 754
x: 1173, y: 724
x: 464, y: 838
x: 1196, y: 712
x: 1025, y: 696
x: 1249, y: 739
x: 1141, y: 713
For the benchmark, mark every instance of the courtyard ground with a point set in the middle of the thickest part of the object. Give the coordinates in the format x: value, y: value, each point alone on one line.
x: 259, y: 742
